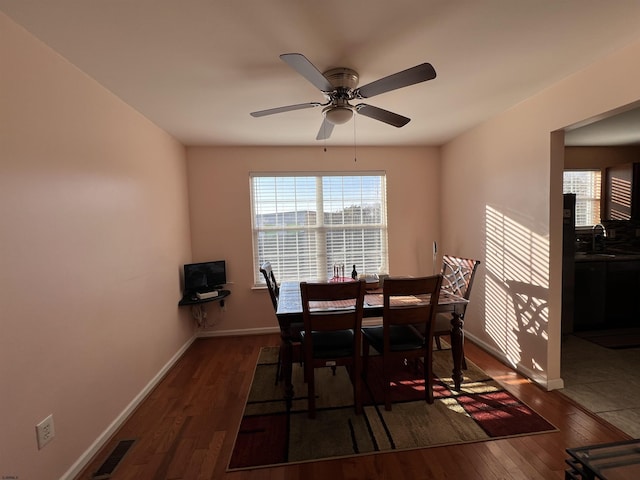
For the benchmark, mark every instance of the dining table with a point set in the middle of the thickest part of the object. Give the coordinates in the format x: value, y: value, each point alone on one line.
x: 289, y: 313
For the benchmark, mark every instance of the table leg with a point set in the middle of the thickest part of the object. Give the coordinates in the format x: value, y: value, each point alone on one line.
x: 287, y: 359
x: 457, y: 352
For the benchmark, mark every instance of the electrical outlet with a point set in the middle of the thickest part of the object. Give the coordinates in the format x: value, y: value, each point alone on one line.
x: 45, y: 431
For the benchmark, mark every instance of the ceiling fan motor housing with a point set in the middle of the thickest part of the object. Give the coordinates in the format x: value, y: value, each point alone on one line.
x: 344, y: 80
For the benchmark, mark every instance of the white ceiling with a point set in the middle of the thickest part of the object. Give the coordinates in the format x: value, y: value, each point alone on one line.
x: 196, y: 68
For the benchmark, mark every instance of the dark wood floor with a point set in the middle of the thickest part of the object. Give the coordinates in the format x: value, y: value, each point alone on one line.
x: 186, y: 428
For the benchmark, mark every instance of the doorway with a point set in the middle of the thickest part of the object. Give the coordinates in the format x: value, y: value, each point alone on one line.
x: 602, y: 379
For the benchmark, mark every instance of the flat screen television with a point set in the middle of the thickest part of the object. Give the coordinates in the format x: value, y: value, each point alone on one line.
x: 204, y: 277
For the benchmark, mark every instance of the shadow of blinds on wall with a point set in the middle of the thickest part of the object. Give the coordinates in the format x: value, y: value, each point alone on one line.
x: 618, y: 192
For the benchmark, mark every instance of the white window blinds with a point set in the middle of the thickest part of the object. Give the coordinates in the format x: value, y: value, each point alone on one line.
x: 304, y: 224
x: 586, y: 185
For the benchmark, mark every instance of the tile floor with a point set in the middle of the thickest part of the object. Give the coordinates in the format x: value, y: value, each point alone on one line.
x: 603, y: 380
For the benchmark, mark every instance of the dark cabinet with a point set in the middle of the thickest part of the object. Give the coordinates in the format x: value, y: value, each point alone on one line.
x: 623, y: 292
x: 590, y: 296
x: 607, y: 295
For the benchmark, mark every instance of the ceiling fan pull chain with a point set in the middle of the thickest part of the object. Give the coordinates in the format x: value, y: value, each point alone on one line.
x: 324, y: 135
x: 355, y: 148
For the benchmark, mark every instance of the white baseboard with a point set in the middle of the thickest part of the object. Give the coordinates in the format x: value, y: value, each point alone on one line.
x: 555, y: 384
x: 233, y: 333
x: 100, y: 442
x: 543, y: 381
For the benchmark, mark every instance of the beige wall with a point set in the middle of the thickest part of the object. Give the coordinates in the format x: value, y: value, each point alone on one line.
x: 94, y: 208
x: 507, y: 175
x: 221, y: 214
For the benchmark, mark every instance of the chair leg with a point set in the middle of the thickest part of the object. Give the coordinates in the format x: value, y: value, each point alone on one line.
x: 311, y: 392
x: 357, y: 390
x: 387, y: 384
x: 428, y: 378
x: 365, y: 357
x: 279, y: 368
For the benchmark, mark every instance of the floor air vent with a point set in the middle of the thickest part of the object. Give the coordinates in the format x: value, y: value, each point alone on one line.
x: 113, y: 460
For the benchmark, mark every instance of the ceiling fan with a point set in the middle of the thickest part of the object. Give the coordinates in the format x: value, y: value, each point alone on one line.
x: 340, y: 85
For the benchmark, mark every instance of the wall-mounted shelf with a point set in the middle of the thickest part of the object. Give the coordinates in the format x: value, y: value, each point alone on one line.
x: 196, y: 304
x: 193, y: 300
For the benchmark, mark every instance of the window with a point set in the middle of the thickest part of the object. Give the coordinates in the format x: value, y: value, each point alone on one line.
x: 586, y: 185
x: 304, y: 224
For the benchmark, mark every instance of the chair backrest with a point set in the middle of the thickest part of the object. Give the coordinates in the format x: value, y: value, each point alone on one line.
x: 410, y: 301
x: 458, y: 274
x: 272, y: 285
x: 332, y: 306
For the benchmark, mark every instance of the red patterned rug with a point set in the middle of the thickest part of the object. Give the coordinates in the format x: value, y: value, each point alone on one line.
x: 270, y: 435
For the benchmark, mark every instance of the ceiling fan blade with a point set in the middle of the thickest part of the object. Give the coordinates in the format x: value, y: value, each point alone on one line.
x: 383, y: 115
x: 288, y: 108
x: 325, y: 130
x: 411, y: 76
x: 304, y: 67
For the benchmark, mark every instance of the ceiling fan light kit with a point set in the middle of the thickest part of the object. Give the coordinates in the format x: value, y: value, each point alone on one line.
x: 339, y: 86
x: 337, y: 115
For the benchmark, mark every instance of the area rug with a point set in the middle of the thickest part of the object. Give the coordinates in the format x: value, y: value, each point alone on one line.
x: 616, y: 339
x: 270, y: 435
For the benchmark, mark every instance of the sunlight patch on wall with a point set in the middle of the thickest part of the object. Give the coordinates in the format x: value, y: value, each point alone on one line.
x: 500, y: 319
x: 516, y: 289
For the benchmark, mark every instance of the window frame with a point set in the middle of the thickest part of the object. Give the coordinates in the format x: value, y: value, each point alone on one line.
x: 598, y: 200
x: 319, y: 228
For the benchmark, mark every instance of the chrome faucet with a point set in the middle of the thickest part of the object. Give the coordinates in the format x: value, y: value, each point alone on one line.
x: 594, y: 234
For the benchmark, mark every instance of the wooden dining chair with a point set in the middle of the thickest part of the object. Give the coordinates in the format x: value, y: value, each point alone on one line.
x: 407, y: 302
x: 332, y: 314
x: 457, y: 278
x: 272, y: 285
x: 290, y: 338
